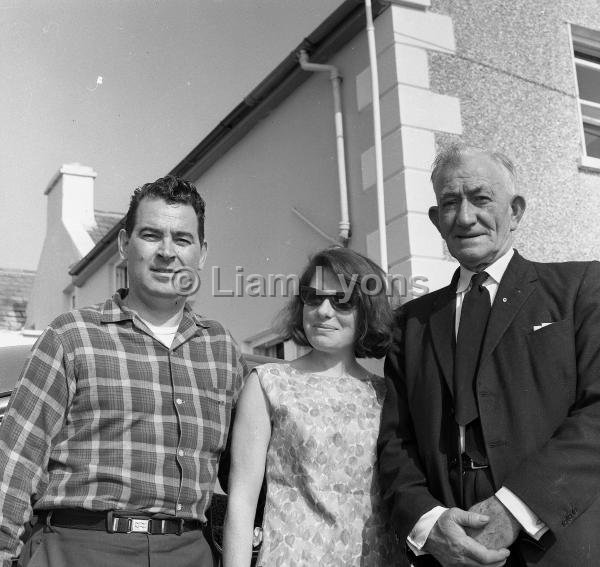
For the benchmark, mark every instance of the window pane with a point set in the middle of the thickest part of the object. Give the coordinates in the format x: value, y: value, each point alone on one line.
x: 590, y: 113
x: 592, y: 140
x: 274, y: 350
x: 588, y: 79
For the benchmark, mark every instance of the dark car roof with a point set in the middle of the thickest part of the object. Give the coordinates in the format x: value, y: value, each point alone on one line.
x: 12, y: 359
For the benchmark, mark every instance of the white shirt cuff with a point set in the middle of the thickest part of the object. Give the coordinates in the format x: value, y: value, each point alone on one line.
x: 418, y: 536
x: 523, y: 513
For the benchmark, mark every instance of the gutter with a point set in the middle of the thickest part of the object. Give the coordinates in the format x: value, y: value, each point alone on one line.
x: 336, y: 80
x: 328, y: 38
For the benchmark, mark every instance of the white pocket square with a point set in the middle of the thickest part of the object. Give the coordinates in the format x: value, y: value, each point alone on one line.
x: 540, y: 326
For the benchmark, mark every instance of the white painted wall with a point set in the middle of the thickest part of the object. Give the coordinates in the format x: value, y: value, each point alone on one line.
x: 100, y: 285
x: 287, y: 161
x: 69, y: 212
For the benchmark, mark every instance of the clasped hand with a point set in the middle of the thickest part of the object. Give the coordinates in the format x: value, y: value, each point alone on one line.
x: 474, y: 538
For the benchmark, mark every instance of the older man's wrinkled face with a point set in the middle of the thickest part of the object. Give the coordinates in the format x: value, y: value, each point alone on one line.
x: 476, y: 210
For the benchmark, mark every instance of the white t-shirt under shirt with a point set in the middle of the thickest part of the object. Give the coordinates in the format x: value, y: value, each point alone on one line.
x: 161, y: 333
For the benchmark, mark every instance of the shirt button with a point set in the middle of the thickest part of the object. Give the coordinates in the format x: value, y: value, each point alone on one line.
x: 178, y: 401
x: 179, y: 507
x: 181, y: 452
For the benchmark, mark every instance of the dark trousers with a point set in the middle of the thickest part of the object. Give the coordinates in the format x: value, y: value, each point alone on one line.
x: 474, y: 486
x: 470, y: 487
x: 68, y: 547
x: 477, y: 486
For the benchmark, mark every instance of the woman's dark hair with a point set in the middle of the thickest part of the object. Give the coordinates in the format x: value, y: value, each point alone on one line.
x: 172, y: 190
x: 374, y: 314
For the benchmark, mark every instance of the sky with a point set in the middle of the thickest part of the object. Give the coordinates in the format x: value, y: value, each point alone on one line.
x: 170, y: 71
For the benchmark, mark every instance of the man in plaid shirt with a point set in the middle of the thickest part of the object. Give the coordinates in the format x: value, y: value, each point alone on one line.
x: 113, y: 435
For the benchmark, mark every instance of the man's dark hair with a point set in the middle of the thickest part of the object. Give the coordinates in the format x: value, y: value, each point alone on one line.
x: 374, y: 315
x: 172, y: 190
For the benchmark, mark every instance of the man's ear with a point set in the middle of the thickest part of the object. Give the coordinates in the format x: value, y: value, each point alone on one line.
x: 123, y: 241
x: 203, y: 254
x: 434, y: 216
x: 517, y: 206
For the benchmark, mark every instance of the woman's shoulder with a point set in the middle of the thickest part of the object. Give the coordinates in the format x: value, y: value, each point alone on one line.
x: 273, y: 377
x: 272, y: 370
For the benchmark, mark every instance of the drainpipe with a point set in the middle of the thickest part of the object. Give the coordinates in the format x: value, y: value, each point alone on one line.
x: 336, y: 79
x: 383, y: 257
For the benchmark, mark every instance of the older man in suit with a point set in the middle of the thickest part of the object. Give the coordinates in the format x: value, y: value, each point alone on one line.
x: 490, y: 434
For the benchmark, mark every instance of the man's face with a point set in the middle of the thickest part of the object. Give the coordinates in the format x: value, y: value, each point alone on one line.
x: 476, y: 210
x: 164, y: 238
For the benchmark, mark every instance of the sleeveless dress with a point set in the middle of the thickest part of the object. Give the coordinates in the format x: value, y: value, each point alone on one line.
x: 323, y: 505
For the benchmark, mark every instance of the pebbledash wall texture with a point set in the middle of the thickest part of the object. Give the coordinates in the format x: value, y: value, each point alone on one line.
x: 513, y: 73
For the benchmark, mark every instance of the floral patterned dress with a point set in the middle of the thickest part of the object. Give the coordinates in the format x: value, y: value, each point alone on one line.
x: 323, y: 505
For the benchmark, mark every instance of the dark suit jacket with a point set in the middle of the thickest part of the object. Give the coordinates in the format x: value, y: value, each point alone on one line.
x: 539, y: 402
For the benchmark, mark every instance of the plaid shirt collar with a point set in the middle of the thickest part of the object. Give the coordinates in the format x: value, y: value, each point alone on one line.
x: 114, y: 311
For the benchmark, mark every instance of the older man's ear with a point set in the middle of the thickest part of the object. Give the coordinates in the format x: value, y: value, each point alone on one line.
x: 517, y: 205
x: 434, y: 216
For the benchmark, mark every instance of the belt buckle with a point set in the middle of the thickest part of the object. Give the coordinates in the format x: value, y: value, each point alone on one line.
x: 469, y: 463
x: 138, y: 525
x: 112, y: 522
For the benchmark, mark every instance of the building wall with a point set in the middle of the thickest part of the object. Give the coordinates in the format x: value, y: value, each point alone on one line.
x: 70, y: 214
x: 287, y: 161
x: 48, y: 297
x: 495, y: 74
x: 99, y: 286
x: 514, y: 77
x: 412, y: 113
x: 15, y: 288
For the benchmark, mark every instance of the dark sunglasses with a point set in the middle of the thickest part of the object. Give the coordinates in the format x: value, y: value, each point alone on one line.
x: 338, y: 299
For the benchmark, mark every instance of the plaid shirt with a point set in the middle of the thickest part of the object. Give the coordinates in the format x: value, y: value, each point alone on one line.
x: 107, y: 417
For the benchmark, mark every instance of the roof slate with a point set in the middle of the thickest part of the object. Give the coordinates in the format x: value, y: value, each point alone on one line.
x: 15, y: 288
x: 16, y: 285
x: 104, y: 222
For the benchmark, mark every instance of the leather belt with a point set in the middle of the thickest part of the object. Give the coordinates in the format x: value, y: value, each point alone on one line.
x: 113, y: 521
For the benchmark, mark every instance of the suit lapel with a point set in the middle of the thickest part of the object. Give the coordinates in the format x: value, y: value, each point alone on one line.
x: 441, y: 323
x: 514, y: 289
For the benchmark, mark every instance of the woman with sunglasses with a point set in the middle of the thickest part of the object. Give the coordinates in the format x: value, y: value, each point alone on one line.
x: 311, y: 427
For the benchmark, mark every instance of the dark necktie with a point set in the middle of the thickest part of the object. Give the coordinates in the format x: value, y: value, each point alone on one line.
x: 471, y: 330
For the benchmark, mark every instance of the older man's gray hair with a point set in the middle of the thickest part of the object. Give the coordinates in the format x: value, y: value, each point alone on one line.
x: 452, y: 156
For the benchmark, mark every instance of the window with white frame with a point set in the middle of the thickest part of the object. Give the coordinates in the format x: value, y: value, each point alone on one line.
x: 586, y: 51
x: 269, y: 343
